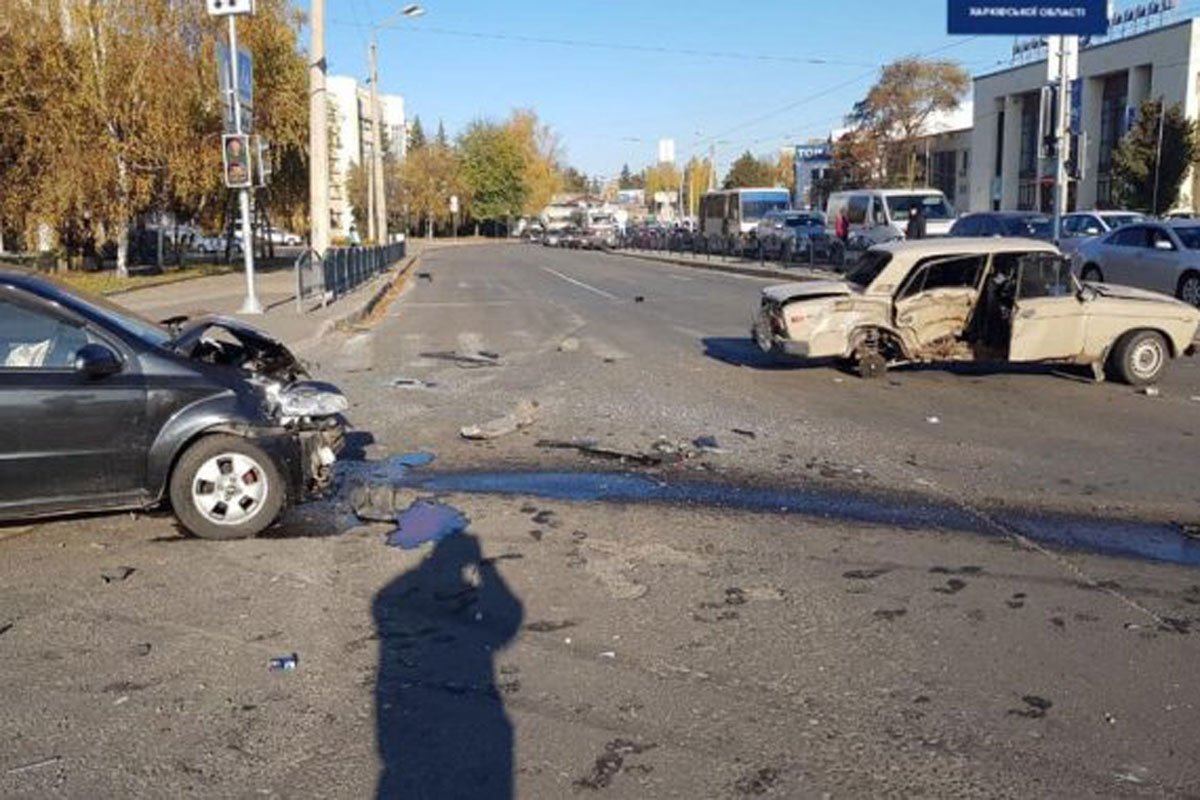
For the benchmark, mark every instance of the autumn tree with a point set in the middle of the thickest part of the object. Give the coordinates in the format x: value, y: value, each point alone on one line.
x: 785, y: 170
x: 894, y: 114
x: 493, y: 164
x: 573, y: 180
x: 662, y: 177
x: 749, y: 171
x: 697, y: 177
x: 1146, y: 176
x: 625, y: 181
x: 540, y: 153
x: 428, y: 178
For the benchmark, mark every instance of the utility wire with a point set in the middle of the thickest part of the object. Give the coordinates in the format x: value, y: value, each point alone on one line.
x: 622, y: 46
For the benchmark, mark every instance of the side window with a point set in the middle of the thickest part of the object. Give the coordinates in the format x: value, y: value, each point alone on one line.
x: 943, y: 273
x: 1071, y: 226
x: 1159, y: 239
x: 1043, y: 276
x: 31, y: 339
x: 966, y: 226
x: 878, y: 215
x: 1132, y: 236
x: 857, y: 209
x: 1091, y: 226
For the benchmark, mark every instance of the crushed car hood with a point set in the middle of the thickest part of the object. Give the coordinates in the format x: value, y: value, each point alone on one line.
x: 806, y: 290
x: 263, y: 353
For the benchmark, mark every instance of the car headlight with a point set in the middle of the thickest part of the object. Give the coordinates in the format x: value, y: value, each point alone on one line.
x: 311, y: 400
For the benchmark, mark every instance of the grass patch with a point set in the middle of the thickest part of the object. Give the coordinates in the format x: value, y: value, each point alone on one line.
x: 108, y: 282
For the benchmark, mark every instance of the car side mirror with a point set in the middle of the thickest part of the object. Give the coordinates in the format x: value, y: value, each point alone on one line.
x: 96, y: 361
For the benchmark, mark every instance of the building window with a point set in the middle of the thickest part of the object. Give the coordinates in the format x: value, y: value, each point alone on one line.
x: 1112, y: 113
x: 1030, y: 113
x: 1027, y: 194
x: 942, y: 174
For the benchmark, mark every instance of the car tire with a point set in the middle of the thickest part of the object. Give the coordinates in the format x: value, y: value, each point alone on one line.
x: 226, y: 487
x: 1139, y: 358
x: 1092, y: 274
x: 1189, y: 288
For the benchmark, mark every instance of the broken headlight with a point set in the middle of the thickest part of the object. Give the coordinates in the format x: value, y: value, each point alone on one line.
x: 311, y: 399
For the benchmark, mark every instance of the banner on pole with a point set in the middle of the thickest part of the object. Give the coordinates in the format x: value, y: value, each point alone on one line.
x: 1028, y: 17
x: 236, y: 153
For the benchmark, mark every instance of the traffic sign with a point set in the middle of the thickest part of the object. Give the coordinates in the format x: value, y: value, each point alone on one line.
x: 262, y: 160
x: 1020, y: 17
x: 245, y: 75
x: 225, y: 8
x: 236, y: 152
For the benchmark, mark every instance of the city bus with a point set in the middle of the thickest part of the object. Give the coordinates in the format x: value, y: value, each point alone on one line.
x: 737, y: 211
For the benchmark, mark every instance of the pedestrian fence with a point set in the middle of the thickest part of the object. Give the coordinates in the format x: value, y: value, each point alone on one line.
x: 785, y: 251
x: 341, y: 271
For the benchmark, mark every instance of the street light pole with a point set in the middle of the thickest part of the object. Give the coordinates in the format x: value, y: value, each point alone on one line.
x: 318, y: 134
x: 381, y: 227
x: 250, y: 305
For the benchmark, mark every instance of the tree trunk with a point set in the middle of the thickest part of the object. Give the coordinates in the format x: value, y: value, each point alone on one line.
x: 123, y: 249
x: 158, y: 243
x: 124, y: 204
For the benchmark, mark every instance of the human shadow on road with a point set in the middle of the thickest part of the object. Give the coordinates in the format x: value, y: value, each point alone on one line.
x: 441, y: 728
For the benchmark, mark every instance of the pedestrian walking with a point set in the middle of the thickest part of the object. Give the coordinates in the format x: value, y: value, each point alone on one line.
x: 916, y: 223
x: 841, y: 226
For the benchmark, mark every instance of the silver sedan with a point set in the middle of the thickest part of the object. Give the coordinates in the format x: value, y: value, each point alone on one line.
x: 1160, y: 256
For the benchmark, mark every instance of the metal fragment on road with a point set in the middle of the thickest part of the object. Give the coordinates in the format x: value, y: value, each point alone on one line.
x: 1150, y: 391
x: 32, y: 765
x: 520, y: 417
x: 285, y: 663
x: 411, y: 383
x: 466, y: 360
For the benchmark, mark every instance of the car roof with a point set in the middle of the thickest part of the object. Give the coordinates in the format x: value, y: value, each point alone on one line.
x: 1008, y: 214
x: 967, y: 244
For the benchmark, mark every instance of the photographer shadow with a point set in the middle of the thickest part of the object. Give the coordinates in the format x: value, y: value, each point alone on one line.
x: 441, y: 728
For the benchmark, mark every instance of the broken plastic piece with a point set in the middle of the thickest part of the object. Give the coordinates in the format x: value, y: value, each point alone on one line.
x: 285, y: 663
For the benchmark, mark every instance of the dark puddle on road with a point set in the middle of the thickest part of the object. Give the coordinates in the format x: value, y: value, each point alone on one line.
x: 1143, y: 540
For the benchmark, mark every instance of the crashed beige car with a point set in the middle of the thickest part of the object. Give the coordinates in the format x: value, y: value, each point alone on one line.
x: 945, y: 300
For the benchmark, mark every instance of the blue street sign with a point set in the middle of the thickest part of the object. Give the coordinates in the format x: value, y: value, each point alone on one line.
x: 1029, y: 17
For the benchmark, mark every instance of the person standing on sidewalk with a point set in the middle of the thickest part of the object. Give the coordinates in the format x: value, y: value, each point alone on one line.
x: 841, y: 226
x: 916, y: 223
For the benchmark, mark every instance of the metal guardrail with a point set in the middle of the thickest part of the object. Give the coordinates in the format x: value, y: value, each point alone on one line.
x: 784, y: 252
x: 341, y: 270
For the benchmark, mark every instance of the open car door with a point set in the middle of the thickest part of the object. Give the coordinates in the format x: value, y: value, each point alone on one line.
x: 935, y: 303
x: 1047, y: 318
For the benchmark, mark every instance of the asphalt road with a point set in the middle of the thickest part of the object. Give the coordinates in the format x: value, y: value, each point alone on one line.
x: 853, y: 601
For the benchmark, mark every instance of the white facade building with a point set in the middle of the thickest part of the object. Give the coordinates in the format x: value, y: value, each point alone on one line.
x: 350, y: 105
x: 666, y: 151
x: 1007, y: 170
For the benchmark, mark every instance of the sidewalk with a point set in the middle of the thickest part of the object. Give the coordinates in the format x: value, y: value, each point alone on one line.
x: 276, y: 290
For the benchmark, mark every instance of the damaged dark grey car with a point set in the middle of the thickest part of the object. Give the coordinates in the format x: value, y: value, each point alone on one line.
x: 101, y: 409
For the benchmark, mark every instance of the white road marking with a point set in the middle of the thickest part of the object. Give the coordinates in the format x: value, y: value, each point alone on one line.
x: 580, y: 284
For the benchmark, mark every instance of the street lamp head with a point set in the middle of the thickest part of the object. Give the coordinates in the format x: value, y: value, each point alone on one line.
x: 412, y: 11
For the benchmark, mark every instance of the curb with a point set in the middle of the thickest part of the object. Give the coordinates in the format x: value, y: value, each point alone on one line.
x: 754, y: 272
x: 364, y: 309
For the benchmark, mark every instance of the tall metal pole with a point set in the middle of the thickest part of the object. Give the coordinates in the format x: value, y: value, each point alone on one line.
x: 368, y: 166
x: 1162, y: 115
x: 250, y: 305
x: 318, y: 134
x: 1067, y: 48
x: 377, y: 154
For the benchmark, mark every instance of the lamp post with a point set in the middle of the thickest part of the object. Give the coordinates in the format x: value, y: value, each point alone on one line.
x: 318, y: 135
x: 378, y: 190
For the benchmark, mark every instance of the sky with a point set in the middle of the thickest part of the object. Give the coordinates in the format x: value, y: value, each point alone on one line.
x: 613, y: 77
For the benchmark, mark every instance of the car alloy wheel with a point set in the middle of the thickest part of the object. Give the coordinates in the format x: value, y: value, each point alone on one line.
x: 229, y: 489
x: 1147, y: 358
x: 1189, y: 290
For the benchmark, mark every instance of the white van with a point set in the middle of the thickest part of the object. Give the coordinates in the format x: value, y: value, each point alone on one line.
x: 880, y: 215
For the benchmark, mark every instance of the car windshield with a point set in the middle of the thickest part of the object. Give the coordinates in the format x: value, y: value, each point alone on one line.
x: 1190, y: 236
x: 868, y: 268
x: 1036, y: 227
x: 1117, y: 220
x: 128, y: 321
x: 755, y: 205
x: 935, y: 206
